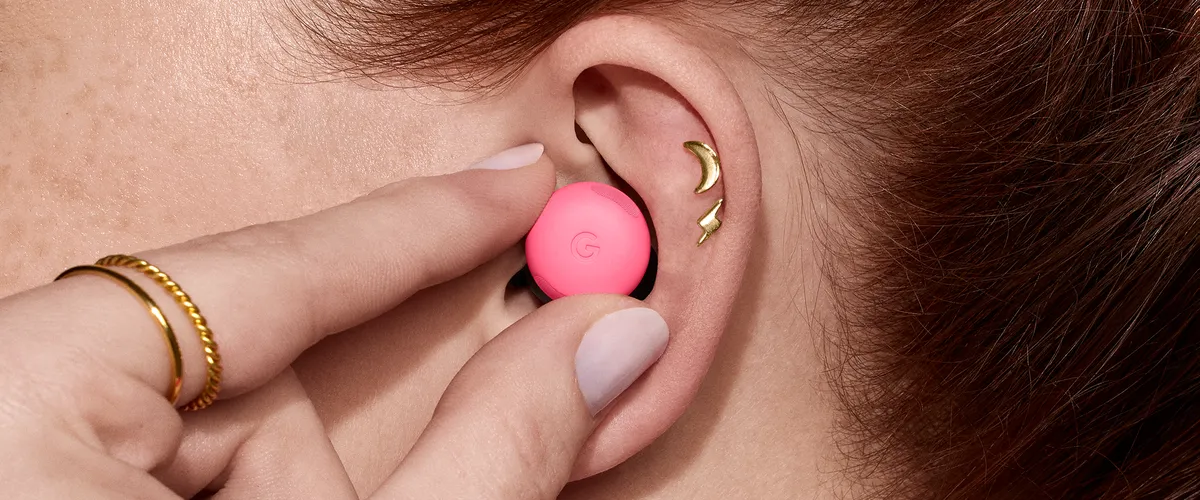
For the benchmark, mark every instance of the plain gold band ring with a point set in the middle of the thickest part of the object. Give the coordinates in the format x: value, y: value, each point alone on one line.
x: 172, y: 393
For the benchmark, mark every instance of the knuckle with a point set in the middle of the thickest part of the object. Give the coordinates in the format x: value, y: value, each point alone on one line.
x: 63, y: 391
x: 36, y: 384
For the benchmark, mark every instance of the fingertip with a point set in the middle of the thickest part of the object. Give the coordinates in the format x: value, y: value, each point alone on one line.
x: 520, y: 178
x: 615, y: 351
x: 539, y: 177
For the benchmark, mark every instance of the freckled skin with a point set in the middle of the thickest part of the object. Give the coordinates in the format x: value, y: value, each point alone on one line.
x: 122, y: 134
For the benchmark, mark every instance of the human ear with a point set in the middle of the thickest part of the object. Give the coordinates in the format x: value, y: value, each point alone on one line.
x: 614, y: 99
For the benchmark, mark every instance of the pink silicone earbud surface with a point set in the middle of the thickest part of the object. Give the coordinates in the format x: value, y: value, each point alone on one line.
x: 590, y: 238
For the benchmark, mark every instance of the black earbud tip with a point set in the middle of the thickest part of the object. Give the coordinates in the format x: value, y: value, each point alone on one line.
x: 647, y: 284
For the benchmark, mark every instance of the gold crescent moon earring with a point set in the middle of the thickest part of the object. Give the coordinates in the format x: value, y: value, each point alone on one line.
x: 710, y: 164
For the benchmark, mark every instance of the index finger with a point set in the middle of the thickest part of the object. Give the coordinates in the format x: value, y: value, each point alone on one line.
x: 270, y: 291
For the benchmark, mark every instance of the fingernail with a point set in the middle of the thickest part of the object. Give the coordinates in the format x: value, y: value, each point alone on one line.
x: 615, y: 352
x: 520, y: 156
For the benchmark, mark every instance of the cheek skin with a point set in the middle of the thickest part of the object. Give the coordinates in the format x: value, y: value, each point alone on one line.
x: 125, y: 135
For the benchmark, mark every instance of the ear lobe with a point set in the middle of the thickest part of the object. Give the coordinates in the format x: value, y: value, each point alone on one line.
x: 640, y: 92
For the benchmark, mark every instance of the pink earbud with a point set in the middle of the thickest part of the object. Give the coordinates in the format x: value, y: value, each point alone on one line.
x: 590, y: 238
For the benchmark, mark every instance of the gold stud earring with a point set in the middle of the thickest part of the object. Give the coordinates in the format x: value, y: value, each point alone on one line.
x: 710, y: 172
x: 709, y: 222
x: 710, y: 164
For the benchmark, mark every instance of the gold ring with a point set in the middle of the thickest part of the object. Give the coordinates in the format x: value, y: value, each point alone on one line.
x: 168, y: 333
x: 212, y: 356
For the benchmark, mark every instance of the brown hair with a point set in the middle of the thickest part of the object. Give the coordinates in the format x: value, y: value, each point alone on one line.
x: 1020, y: 301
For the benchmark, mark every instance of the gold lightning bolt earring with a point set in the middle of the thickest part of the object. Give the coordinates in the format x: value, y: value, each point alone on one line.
x: 710, y: 172
x: 710, y: 164
x: 709, y: 222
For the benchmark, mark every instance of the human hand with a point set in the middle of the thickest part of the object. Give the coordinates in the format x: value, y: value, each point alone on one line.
x: 82, y: 406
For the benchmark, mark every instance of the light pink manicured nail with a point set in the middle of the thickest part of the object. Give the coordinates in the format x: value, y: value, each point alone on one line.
x: 520, y: 156
x: 615, y: 352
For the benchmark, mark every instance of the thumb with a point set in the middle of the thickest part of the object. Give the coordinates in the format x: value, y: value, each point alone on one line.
x: 514, y: 419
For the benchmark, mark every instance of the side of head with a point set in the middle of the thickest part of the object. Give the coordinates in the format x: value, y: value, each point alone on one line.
x: 983, y: 213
